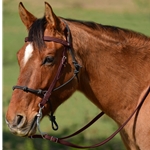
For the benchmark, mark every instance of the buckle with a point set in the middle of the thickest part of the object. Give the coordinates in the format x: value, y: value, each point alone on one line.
x: 39, y: 117
x: 54, y: 139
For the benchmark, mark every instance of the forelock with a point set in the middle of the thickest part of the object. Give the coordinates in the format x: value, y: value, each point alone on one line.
x: 36, y: 32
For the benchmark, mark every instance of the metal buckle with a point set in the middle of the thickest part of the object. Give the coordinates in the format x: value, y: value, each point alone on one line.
x: 54, y: 139
x: 63, y: 60
x: 39, y: 117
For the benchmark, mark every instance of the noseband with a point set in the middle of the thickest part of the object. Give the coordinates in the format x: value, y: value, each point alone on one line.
x: 45, y: 95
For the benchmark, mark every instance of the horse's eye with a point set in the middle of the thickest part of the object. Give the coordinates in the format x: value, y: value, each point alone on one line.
x: 48, y: 60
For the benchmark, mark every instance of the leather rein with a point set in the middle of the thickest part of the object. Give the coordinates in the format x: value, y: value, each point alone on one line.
x: 45, y: 95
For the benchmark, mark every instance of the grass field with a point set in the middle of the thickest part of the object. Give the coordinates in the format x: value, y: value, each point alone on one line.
x: 77, y: 111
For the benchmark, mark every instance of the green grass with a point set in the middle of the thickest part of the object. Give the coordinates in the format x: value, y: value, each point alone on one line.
x: 77, y: 111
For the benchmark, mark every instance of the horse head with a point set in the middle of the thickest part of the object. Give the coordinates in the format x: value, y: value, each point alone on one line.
x: 45, y: 64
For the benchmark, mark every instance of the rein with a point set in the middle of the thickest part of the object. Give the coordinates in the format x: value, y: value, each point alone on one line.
x: 45, y: 95
x: 66, y: 143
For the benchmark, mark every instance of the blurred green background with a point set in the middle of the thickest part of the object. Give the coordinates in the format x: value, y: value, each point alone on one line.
x: 77, y: 111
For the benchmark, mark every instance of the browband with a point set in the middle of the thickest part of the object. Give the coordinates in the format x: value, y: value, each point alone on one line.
x: 51, y: 39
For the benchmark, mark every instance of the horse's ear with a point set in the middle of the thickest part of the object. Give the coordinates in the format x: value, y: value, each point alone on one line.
x: 26, y: 17
x: 51, y: 18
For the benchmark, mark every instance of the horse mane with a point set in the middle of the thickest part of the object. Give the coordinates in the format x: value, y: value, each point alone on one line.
x: 114, y: 33
x: 109, y: 28
x: 36, y: 31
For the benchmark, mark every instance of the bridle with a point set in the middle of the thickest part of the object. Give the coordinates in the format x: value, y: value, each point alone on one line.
x: 45, y: 95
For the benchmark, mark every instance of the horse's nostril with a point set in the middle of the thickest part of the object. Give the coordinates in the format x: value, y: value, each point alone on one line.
x: 19, y: 121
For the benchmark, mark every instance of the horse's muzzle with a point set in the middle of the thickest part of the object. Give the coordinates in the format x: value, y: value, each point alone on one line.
x: 21, y: 127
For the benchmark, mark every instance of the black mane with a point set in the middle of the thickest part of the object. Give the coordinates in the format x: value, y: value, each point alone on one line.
x: 36, y: 32
x: 110, y: 29
x: 89, y: 24
x: 93, y: 25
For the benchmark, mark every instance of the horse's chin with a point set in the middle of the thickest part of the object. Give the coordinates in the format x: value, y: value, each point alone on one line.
x: 28, y: 130
x: 22, y: 133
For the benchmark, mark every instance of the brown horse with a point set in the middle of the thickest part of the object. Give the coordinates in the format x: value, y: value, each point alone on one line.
x: 114, y: 74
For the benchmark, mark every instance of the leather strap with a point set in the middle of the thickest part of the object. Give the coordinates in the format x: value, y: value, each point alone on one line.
x: 51, y: 87
x: 64, y: 142
x: 50, y: 39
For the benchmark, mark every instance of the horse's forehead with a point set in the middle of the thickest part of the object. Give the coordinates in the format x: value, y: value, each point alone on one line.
x: 28, y: 53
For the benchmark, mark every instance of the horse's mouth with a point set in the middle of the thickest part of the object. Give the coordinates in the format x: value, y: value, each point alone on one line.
x: 33, y: 127
x: 28, y: 130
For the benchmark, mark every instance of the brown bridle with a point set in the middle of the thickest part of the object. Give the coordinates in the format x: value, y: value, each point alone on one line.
x: 46, y: 94
x: 46, y: 98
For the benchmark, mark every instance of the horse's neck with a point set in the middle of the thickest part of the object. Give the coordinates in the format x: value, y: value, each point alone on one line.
x: 88, y: 53
x: 101, y: 78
